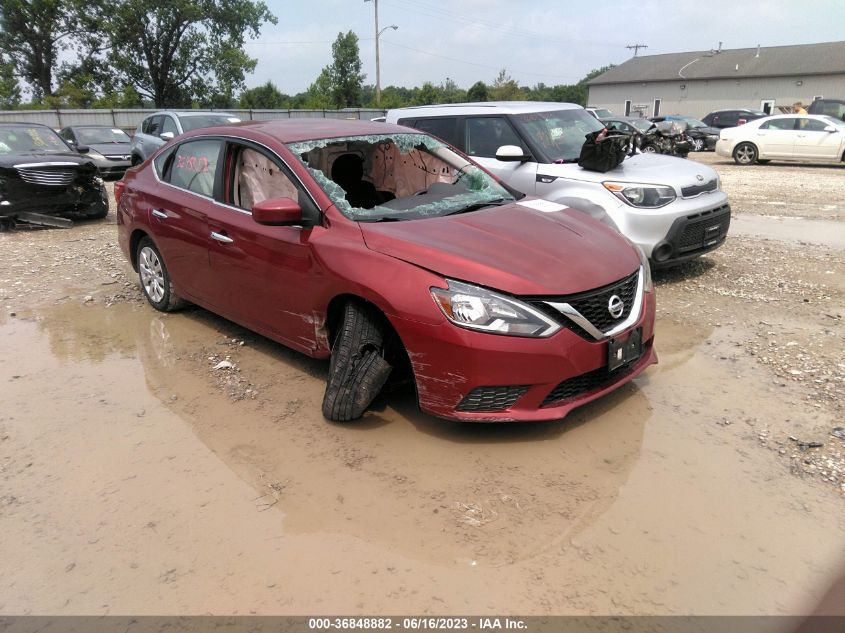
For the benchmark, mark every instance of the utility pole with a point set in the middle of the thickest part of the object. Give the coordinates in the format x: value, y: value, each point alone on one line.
x: 378, y: 64
x: 635, y: 47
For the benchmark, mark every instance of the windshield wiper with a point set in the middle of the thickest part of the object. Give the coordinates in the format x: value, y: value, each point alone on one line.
x: 495, y: 202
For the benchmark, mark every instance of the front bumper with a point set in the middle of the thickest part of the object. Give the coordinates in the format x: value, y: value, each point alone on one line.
x: 514, y: 378
x: 111, y: 167
x: 692, y: 236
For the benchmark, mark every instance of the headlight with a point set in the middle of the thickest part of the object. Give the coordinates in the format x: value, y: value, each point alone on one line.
x: 94, y: 154
x: 480, y: 309
x: 648, y: 285
x: 637, y: 195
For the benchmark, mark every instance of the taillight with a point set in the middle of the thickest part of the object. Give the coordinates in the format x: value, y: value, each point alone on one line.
x: 119, y: 186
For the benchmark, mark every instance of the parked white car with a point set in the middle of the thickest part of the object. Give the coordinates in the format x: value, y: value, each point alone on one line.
x: 794, y: 137
x: 673, y: 209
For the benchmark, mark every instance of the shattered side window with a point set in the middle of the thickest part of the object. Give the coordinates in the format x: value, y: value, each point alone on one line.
x: 397, y: 176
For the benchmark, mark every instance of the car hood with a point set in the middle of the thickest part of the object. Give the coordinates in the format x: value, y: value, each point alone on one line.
x: 112, y: 149
x: 10, y: 160
x: 513, y: 248
x: 706, y: 130
x: 657, y: 169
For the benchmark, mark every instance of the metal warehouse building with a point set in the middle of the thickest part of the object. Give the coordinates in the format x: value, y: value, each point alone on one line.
x: 695, y: 83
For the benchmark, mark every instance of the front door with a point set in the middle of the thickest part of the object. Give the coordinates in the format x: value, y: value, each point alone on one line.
x: 264, y: 274
x: 484, y: 135
x: 812, y: 141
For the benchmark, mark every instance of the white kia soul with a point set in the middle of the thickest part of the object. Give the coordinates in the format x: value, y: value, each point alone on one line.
x: 672, y: 208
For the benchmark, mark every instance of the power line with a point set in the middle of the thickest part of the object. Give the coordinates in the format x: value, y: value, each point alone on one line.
x: 464, y: 61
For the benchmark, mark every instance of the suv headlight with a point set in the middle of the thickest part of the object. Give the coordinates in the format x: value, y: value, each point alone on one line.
x: 480, y: 309
x: 637, y: 195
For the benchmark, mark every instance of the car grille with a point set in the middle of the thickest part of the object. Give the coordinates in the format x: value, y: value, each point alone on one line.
x: 593, y: 305
x: 117, y: 157
x: 697, y: 190
x: 491, y: 398
x: 580, y: 385
x: 704, y: 229
x: 49, y: 177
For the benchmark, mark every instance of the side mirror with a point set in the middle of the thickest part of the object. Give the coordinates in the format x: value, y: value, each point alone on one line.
x: 166, y: 136
x: 277, y: 212
x: 511, y: 153
x: 82, y: 149
x: 830, y: 128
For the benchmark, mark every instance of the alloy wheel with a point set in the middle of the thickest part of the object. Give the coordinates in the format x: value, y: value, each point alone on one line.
x: 152, y: 275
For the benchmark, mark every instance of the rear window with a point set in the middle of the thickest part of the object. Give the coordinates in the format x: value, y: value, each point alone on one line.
x: 446, y: 129
x: 196, y: 122
x: 194, y: 165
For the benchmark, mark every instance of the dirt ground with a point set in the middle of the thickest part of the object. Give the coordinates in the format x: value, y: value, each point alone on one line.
x: 136, y: 479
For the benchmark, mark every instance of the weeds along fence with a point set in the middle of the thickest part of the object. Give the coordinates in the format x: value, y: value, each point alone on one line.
x: 128, y: 119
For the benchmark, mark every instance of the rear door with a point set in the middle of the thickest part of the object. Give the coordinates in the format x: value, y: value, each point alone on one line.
x: 179, y: 220
x: 776, y: 138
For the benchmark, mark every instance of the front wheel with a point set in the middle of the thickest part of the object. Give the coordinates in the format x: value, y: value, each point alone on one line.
x: 698, y: 145
x: 650, y: 149
x: 358, y: 369
x: 155, y: 280
x: 745, y: 154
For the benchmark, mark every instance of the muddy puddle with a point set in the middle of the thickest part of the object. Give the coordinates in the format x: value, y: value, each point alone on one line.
x: 790, y: 229
x: 137, y: 479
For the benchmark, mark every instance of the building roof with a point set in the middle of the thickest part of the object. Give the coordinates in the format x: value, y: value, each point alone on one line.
x: 766, y: 61
x: 485, y: 107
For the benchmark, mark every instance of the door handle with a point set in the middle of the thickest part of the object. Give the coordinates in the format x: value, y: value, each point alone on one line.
x: 223, y: 239
x: 158, y: 213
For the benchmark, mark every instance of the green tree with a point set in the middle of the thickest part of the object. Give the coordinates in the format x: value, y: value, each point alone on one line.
x: 477, y: 92
x: 178, y: 51
x: 319, y: 94
x: 427, y: 95
x: 505, y: 88
x: 344, y: 73
x: 10, y: 89
x: 265, y: 97
x: 34, y: 32
x: 595, y: 73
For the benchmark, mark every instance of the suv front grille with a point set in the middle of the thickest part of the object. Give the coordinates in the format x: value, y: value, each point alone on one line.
x: 702, y: 230
x: 49, y: 177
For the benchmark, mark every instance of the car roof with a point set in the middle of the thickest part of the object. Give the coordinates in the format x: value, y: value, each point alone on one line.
x: 622, y: 118
x: 487, y: 107
x: 185, y: 113
x: 23, y: 124
x: 306, y: 129
x: 91, y: 126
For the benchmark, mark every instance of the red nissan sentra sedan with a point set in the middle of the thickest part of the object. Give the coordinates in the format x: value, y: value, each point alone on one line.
x: 392, y: 254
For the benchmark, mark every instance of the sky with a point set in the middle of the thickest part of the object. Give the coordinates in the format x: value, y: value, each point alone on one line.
x: 536, y: 41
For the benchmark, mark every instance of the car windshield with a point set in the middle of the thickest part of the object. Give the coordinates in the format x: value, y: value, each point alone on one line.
x: 100, y: 135
x: 397, y: 177
x: 558, y: 134
x: 834, y: 121
x: 693, y: 122
x: 641, y: 124
x: 206, y: 120
x: 603, y: 113
x: 17, y: 138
